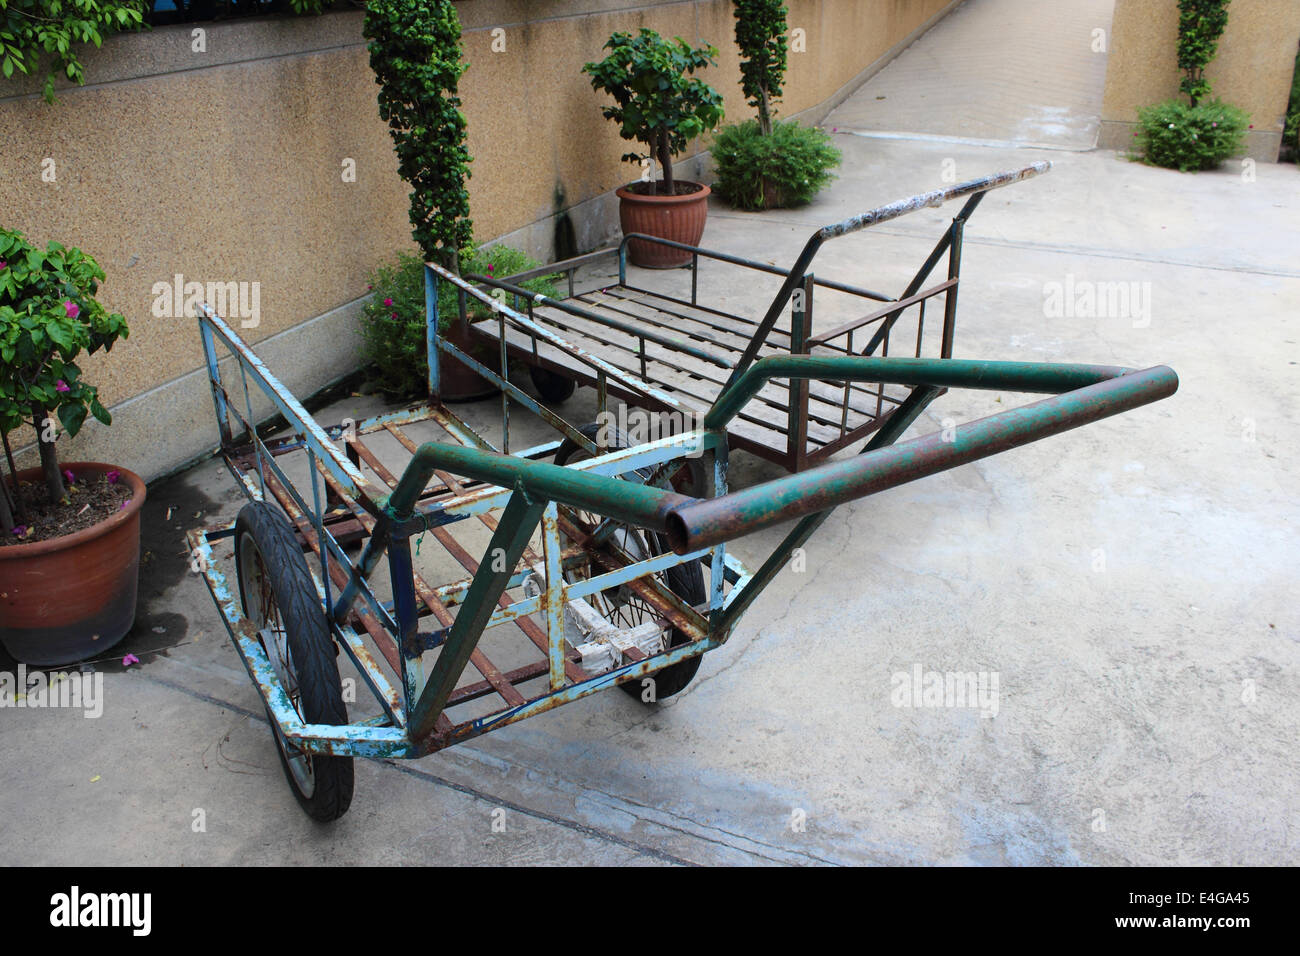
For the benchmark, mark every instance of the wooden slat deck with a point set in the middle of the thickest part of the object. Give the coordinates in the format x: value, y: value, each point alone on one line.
x: 692, y: 382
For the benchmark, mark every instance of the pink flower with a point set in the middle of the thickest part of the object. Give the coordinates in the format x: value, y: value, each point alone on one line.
x: 489, y: 270
x: 72, y: 479
x: 122, y: 506
x: 3, y: 264
x: 129, y: 660
x: 61, y: 386
x: 388, y: 302
x: 371, y: 288
x: 20, y: 531
x: 112, y: 477
x: 72, y: 309
x: 394, y: 315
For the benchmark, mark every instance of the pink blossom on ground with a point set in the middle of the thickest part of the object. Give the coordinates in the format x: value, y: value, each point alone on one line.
x: 129, y: 660
x: 20, y: 531
x: 112, y: 477
x: 70, y: 477
x: 122, y: 506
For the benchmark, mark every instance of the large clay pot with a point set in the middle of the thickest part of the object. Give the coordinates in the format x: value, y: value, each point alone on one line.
x: 679, y: 218
x: 71, y: 598
x: 457, y: 382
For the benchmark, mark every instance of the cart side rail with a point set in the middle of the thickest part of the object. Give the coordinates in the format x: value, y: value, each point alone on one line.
x: 213, y: 328
x: 975, y: 189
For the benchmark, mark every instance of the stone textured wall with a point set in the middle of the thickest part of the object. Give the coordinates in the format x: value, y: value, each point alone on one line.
x: 1252, y: 70
x: 228, y: 165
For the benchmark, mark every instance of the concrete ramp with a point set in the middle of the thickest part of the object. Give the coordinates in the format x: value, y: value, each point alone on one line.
x: 1001, y: 72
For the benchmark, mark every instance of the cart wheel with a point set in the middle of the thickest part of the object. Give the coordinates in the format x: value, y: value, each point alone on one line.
x: 280, y: 598
x: 685, y: 580
x: 552, y: 387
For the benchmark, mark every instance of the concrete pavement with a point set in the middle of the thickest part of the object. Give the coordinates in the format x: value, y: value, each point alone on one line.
x: 1130, y: 584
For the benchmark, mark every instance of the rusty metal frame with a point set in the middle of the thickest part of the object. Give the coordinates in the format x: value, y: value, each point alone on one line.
x: 356, y: 497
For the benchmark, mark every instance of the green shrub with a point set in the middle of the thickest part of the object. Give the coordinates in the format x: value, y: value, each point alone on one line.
x: 392, y: 323
x: 1177, y: 136
x: 785, y: 168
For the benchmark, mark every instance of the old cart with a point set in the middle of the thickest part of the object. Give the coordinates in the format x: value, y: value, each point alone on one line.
x: 599, y: 562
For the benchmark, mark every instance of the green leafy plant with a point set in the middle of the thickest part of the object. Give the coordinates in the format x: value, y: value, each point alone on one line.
x: 415, y: 52
x: 785, y: 168
x: 48, y: 317
x: 1200, y: 25
x: 1188, y: 138
x: 657, y: 100
x: 393, y: 321
x: 31, y: 28
x: 1291, y: 132
x: 760, y: 34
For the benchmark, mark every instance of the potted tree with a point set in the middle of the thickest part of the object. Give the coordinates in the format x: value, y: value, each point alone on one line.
x: 69, y: 532
x: 660, y: 104
x: 766, y: 163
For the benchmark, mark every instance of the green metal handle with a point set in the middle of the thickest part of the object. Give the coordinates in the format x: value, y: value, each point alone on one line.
x: 1091, y: 392
x: 630, y: 501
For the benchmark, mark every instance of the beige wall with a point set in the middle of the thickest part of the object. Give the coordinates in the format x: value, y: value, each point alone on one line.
x: 226, y: 165
x: 1252, y: 70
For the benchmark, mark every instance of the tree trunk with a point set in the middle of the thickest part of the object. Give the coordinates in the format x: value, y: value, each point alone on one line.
x: 49, y: 461
x: 764, y: 111
x: 665, y: 163
x: 20, y: 510
x: 6, y: 514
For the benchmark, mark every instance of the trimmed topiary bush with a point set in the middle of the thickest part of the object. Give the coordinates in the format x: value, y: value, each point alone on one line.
x: 785, y: 168
x: 1190, y: 138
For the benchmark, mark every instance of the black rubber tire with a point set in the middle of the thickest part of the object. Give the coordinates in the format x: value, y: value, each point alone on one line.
x: 553, y: 387
x: 684, y: 580
x: 311, y: 652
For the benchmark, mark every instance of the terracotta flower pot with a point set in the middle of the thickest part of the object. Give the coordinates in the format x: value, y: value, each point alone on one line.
x: 679, y: 218
x: 457, y: 382
x: 73, y: 597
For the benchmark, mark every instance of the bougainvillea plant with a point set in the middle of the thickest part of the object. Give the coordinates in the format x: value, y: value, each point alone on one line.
x: 30, y: 29
x: 48, y: 317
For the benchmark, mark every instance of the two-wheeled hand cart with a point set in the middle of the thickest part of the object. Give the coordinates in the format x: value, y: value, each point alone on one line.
x: 605, y: 561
